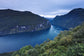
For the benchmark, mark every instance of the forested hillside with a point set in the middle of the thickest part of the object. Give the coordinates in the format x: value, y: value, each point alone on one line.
x: 70, y: 20
x: 12, y: 21
x: 67, y: 43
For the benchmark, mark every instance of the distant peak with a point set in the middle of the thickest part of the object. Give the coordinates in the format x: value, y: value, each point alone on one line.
x: 78, y: 9
x: 11, y: 10
x: 27, y: 11
x: 8, y: 9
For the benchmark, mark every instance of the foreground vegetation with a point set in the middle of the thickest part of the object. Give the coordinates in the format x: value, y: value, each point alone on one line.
x: 67, y: 43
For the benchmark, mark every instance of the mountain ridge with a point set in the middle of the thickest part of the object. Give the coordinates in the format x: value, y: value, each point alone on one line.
x: 70, y: 20
x: 12, y: 21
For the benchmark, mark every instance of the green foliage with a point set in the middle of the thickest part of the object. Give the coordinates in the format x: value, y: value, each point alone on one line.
x: 76, y: 50
x: 75, y: 29
x: 66, y: 40
x: 37, y: 46
x: 33, y: 52
x: 80, y: 33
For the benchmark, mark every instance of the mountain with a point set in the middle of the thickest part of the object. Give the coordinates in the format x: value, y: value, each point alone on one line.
x: 12, y: 21
x: 70, y: 20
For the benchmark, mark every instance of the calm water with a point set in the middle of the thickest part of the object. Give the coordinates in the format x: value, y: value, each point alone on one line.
x: 15, y: 42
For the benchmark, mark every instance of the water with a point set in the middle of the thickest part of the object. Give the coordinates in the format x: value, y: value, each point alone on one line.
x: 16, y: 41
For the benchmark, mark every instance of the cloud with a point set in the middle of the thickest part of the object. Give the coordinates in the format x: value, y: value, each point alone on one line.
x: 58, y: 12
x: 48, y: 16
x: 43, y: 7
x: 55, y: 13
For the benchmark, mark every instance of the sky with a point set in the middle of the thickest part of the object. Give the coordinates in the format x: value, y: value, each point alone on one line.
x: 45, y: 8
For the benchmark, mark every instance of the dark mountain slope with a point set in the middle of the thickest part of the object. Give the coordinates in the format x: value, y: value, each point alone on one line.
x: 70, y: 20
x: 12, y: 21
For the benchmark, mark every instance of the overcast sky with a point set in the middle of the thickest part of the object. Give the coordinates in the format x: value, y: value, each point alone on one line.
x: 46, y: 8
